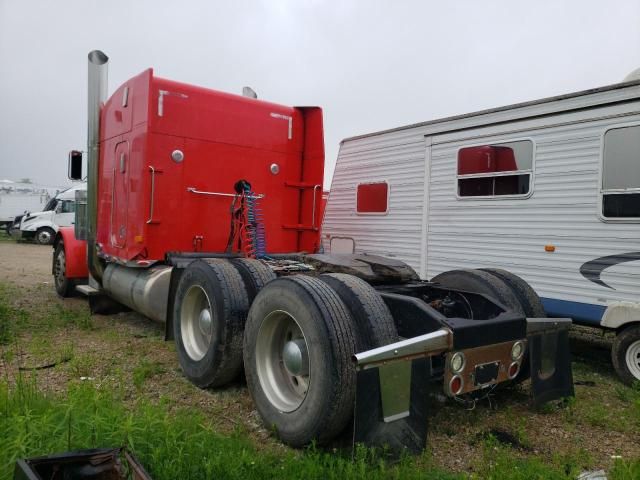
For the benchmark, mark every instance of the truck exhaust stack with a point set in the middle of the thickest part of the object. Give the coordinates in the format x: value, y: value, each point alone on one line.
x: 97, y: 96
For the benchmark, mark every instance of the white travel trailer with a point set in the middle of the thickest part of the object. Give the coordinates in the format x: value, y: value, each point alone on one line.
x: 548, y: 189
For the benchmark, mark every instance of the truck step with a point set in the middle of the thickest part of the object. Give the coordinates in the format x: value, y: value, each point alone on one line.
x: 87, y: 290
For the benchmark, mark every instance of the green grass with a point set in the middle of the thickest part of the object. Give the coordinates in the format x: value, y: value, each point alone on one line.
x: 134, y: 396
x: 170, y: 444
x: 144, y: 371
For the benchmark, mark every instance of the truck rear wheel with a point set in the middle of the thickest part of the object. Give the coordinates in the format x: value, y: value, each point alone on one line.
x: 483, y: 282
x: 254, y: 273
x: 625, y: 354
x: 298, y: 344
x: 45, y: 236
x: 64, y: 286
x: 209, y: 314
x: 373, y: 320
x: 527, y: 296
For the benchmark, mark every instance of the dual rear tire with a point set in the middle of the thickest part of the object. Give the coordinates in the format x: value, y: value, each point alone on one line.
x: 296, y: 341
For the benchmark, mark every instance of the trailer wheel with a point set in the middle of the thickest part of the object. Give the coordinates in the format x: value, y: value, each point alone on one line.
x: 373, y: 320
x: 209, y: 314
x: 298, y: 344
x: 527, y: 296
x: 255, y: 275
x: 45, y: 236
x: 64, y: 286
x: 625, y: 354
x: 481, y: 282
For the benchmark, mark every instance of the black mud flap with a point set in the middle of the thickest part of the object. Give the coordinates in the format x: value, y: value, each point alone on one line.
x: 392, y: 405
x: 550, y: 363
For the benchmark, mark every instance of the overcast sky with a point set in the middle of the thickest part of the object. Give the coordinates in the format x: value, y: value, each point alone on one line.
x: 371, y: 65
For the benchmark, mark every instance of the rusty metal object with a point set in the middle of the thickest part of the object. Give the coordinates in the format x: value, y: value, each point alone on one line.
x: 95, y: 464
x: 477, y: 360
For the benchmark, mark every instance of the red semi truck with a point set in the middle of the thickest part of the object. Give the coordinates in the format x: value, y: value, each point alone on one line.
x: 203, y: 212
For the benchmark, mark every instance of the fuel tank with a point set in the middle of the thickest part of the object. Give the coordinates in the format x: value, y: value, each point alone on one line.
x: 145, y: 290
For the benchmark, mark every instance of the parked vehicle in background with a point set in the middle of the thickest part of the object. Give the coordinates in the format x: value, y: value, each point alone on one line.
x: 549, y: 189
x: 16, y: 198
x: 43, y: 225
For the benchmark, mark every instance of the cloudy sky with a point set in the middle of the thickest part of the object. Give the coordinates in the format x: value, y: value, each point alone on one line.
x: 370, y: 64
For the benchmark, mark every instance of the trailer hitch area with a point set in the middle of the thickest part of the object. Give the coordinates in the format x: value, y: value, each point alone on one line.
x: 549, y: 359
x: 392, y: 392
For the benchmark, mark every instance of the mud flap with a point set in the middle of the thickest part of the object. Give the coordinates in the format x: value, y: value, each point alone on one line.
x: 549, y: 359
x: 392, y: 405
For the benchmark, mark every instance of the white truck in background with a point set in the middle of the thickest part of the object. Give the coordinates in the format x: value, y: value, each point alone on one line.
x: 43, y: 225
x: 16, y: 198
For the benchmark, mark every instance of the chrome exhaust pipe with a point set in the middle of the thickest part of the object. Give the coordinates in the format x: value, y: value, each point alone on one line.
x: 97, y: 96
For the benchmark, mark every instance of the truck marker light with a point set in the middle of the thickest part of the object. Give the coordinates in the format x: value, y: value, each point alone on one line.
x: 138, y: 238
x: 517, y: 350
x: 550, y: 248
x: 456, y: 384
x: 514, y: 369
x: 457, y: 362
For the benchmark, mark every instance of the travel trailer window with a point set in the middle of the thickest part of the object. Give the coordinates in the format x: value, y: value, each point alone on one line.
x: 621, y: 173
x: 502, y: 169
x: 372, y: 198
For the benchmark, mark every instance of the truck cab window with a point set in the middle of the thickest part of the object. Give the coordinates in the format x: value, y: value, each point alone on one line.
x: 68, y: 206
x: 621, y: 173
x: 496, y: 170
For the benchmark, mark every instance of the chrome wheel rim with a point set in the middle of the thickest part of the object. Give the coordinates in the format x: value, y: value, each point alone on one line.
x: 60, y: 268
x: 633, y: 359
x: 196, y: 322
x: 282, y: 361
x: 44, y: 237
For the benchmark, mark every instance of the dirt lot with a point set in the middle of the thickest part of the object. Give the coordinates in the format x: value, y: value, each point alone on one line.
x: 127, y: 351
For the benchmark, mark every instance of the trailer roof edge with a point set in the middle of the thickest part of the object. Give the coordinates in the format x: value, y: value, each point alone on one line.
x: 514, y: 106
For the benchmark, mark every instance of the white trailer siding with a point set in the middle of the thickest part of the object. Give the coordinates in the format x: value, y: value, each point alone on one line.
x: 446, y: 232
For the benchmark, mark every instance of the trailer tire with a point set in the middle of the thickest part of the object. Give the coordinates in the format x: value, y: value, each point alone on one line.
x: 373, y: 320
x: 309, y: 395
x: 64, y: 285
x: 45, y: 236
x: 527, y: 296
x: 479, y: 281
x: 625, y: 354
x: 255, y: 275
x: 209, y: 315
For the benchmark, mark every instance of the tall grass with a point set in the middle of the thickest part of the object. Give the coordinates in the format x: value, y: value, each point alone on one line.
x: 170, y: 444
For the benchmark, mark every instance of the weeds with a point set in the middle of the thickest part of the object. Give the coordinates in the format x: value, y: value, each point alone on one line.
x: 145, y: 370
x: 171, y: 445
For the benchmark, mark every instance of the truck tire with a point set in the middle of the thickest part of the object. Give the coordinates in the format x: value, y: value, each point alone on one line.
x: 209, y: 315
x: 481, y: 282
x: 255, y: 275
x: 373, y: 320
x: 64, y: 286
x: 625, y: 354
x: 298, y: 344
x: 527, y: 296
x: 45, y: 236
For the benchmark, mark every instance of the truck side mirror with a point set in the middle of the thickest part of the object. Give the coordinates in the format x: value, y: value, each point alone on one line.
x: 75, y: 165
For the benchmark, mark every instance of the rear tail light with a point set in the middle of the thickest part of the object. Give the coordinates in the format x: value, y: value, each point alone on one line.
x: 514, y: 369
x: 456, y: 384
